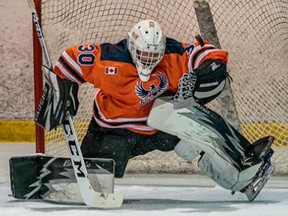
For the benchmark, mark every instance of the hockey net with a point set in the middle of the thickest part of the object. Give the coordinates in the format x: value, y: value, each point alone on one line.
x: 255, y: 32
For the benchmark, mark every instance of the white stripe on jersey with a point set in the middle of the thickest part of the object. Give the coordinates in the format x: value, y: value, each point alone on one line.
x: 66, y: 73
x: 72, y: 62
x: 197, y: 48
x: 130, y: 126
x: 200, y: 57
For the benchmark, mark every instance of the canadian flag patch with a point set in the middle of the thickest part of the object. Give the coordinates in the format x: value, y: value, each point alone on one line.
x: 111, y: 70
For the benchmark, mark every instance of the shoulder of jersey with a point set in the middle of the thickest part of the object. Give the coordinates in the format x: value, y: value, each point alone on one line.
x: 116, y: 52
x: 173, y: 47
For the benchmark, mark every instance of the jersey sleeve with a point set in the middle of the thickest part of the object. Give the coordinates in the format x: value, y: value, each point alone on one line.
x: 76, y: 63
x: 198, y: 53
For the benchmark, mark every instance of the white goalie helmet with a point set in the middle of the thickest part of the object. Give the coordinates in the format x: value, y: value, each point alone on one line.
x: 146, y: 44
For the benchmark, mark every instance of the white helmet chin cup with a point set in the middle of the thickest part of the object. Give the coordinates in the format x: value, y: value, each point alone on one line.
x: 146, y: 44
x: 144, y: 74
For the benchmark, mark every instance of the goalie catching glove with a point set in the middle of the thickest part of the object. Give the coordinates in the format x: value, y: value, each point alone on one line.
x: 210, y: 82
x: 206, y: 77
x: 59, y: 97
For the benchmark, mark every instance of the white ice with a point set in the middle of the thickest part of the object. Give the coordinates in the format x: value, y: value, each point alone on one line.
x: 151, y: 195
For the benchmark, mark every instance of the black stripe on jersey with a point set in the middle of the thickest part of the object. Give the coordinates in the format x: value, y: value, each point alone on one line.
x: 116, y: 52
x: 71, y: 70
x: 200, y: 52
x: 173, y: 46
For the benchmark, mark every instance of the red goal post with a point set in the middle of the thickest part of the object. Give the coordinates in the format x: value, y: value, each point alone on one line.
x: 254, y: 32
x: 38, y: 80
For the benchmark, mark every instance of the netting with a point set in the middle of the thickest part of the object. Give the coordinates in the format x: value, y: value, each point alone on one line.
x: 255, y: 32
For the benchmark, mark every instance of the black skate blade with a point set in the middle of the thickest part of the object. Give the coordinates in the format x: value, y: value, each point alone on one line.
x: 254, y: 189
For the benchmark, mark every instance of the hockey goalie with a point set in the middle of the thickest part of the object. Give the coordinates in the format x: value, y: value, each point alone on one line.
x: 152, y: 95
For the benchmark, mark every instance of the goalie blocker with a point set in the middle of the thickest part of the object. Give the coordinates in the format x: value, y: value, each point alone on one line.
x: 53, y: 179
x: 58, y: 98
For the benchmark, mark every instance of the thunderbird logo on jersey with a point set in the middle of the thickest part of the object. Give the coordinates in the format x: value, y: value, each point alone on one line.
x: 155, y: 90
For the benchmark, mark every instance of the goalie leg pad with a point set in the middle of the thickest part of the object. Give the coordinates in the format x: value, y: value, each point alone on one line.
x: 200, y: 126
x: 216, y: 165
x: 225, y: 152
x: 224, y: 173
x: 53, y: 179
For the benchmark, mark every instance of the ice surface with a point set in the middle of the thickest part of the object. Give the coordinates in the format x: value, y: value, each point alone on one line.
x: 147, y: 199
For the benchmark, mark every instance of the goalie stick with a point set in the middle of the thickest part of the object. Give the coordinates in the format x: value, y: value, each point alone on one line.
x: 90, y: 196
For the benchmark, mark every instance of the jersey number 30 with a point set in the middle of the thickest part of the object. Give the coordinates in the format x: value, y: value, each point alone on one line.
x: 86, y: 56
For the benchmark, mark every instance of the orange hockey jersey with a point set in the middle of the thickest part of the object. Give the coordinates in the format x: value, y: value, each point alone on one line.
x: 123, y: 100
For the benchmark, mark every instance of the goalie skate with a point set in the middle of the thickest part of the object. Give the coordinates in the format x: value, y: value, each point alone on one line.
x: 261, y: 178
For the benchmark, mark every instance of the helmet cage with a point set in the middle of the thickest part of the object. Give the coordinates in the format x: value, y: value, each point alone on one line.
x: 146, y: 46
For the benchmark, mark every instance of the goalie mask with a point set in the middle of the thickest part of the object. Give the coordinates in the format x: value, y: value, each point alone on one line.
x: 146, y: 44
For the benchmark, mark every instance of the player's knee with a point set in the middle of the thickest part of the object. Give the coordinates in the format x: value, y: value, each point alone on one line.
x: 88, y: 146
x: 111, y: 147
x: 186, y: 150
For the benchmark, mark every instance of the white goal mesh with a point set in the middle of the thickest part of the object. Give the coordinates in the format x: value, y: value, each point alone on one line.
x: 255, y: 32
